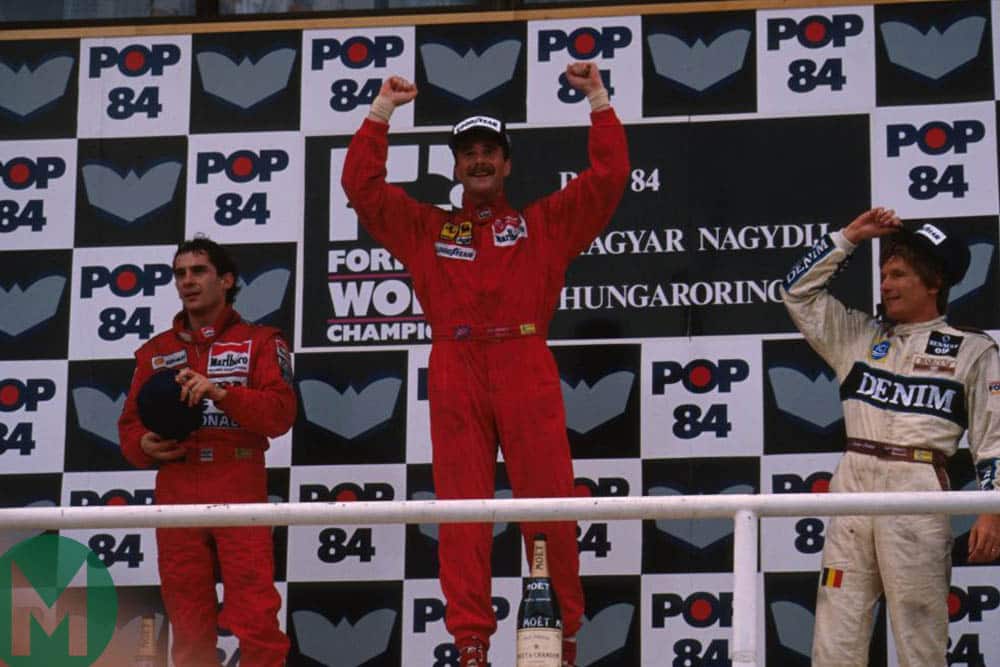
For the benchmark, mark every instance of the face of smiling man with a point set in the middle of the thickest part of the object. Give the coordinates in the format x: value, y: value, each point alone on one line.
x: 904, y: 295
x: 480, y: 166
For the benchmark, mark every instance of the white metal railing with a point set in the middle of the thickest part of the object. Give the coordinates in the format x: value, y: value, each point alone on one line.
x: 745, y: 510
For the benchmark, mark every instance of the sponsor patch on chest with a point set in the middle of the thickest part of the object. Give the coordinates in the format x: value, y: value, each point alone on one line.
x: 450, y: 251
x: 508, y: 230
x: 457, y: 233
x: 178, y: 358
x: 229, y: 358
x: 943, y: 345
x: 926, y: 362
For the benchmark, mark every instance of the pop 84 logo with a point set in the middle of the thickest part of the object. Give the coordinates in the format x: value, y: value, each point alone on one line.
x: 129, y: 87
x: 120, y: 300
x: 37, y: 193
x: 246, y: 184
x: 939, y: 165
x: 343, y: 72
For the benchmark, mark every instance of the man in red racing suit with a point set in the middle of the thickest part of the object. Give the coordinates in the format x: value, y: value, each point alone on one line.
x: 488, y: 278
x: 243, y: 373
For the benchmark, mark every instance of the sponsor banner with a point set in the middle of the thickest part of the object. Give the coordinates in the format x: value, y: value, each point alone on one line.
x: 701, y: 398
x: 675, y: 260
x: 121, y: 298
x: 610, y: 627
x: 791, y: 544
x: 422, y: 539
x: 345, y: 623
x: 699, y: 64
x: 131, y: 191
x: 32, y: 416
x: 129, y: 553
x: 973, y: 603
x: 350, y: 552
x: 672, y: 546
x: 790, y: 619
x: 38, y: 98
x: 267, y: 285
x: 362, y: 295
x: 352, y: 408
x: 34, y: 304
x: 468, y: 69
x: 418, y: 414
x: 132, y: 86
x: 612, y: 44
x: 600, y: 388
x: 689, y: 618
x: 802, y: 410
x: 343, y: 70
x: 245, y: 187
x: 935, y: 162
x: 816, y: 61
x: 37, y: 190
x: 933, y: 53
x: 95, y: 400
x: 425, y: 638
x: 606, y: 547
x: 245, y: 82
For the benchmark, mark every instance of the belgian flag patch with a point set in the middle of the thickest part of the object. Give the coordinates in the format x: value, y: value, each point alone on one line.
x: 832, y: 577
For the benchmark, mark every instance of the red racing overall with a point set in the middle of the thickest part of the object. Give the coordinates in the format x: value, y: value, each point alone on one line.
x: 488, y: 279
x: 224, y: 463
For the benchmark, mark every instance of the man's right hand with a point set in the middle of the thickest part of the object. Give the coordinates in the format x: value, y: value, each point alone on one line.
x: 160, y: 449
x: 875, y: 222
x: 398, y: 90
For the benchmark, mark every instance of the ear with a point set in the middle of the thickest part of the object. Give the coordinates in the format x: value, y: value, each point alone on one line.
x: 228, y: 281
x: 506, y: 168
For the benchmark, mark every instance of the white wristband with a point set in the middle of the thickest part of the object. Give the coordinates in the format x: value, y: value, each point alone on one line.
x: 382, y: 108
x: 598, y: 98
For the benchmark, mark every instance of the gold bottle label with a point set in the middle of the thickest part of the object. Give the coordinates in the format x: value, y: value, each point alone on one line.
x: 539, y: 647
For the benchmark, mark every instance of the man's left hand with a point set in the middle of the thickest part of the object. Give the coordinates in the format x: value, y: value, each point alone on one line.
x: 585, y: 77
x: 195, y: 387
x: 984, y: 539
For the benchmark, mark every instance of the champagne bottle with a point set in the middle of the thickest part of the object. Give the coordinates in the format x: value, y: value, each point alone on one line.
x: 145, y: 655
x: 539, y: 623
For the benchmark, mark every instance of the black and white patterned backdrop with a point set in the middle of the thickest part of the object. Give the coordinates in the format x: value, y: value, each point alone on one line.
x: 752, y: 133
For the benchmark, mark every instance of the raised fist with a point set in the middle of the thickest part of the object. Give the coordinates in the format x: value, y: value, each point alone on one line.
x: 397, y: 90
x: 585, y: 77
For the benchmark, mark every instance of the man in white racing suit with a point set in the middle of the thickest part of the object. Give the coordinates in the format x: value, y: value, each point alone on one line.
x: 910, y: 384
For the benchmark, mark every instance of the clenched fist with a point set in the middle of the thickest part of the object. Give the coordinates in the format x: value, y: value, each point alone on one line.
x: 585, y: 77
x: 398, y: 91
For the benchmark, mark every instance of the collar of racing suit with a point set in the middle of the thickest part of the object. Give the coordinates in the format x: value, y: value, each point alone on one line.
x: 227, y: 318
x: 914, y: 327
x: 483, y: 214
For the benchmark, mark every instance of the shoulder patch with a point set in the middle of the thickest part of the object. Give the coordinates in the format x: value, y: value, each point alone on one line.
x: 284, y: 360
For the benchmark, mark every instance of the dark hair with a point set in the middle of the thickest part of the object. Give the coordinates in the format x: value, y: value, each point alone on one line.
x: 929, y: 269
x: 217, y: 256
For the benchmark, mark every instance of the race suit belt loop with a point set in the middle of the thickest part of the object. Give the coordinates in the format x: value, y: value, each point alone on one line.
x: 885, y: 450
x: 224, y: 455
x: 486, y: 333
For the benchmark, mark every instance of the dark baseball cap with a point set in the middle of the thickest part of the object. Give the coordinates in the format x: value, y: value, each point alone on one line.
x: 161, y: 409
x: 483, y: 126
x: 951, y: 252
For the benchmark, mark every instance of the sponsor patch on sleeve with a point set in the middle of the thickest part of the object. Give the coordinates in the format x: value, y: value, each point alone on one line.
x: 284, y: 360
